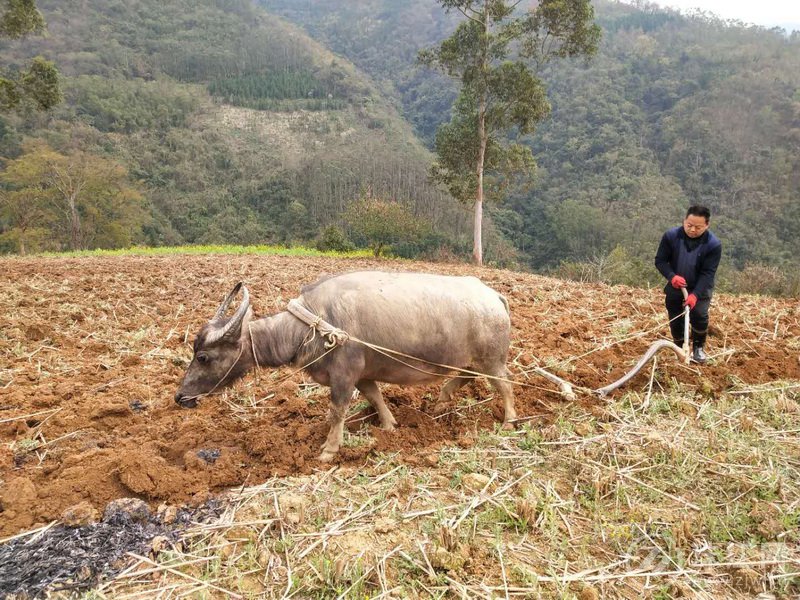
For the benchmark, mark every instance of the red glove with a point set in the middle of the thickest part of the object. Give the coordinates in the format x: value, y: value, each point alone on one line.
x: 678, y: 282
x: 691, y: 300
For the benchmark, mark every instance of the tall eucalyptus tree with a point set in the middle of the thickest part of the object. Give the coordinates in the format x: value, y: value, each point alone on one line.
x: 496, y: 53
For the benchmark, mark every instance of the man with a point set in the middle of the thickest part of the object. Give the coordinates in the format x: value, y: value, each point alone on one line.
x: 688, y: 257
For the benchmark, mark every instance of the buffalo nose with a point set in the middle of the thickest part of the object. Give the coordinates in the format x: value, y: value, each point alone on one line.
x: 184, y: 401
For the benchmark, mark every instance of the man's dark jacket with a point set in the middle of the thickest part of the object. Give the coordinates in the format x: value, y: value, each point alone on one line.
x: 698, y: 264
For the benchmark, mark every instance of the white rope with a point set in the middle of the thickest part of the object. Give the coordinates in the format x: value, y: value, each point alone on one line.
x: 337, y: 337
x: 334, y: 335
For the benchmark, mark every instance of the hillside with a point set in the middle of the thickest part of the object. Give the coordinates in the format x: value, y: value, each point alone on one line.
x: 683, y: 483
x: 233, y: 123
x: 673, y: 110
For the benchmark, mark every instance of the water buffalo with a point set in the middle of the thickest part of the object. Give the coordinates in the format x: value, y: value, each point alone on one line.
x: 452, y: 321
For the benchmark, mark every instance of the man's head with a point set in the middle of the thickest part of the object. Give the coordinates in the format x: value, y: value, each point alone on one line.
x: 696, y: 221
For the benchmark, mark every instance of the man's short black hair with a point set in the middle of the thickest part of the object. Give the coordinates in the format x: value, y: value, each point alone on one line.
x: 699, y: 211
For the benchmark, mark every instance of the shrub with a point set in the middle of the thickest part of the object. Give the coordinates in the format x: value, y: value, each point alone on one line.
x: 618, y: 267
x: 378, y: 224
x: 757, y: 278
x: 333, y: 239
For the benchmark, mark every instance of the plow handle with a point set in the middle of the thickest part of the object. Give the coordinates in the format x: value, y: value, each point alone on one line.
x: 686, y: 310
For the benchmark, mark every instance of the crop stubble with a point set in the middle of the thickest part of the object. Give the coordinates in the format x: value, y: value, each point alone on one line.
x: 92, y: 350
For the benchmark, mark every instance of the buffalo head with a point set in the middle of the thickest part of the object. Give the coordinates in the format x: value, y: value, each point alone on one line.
x: 221, y: 352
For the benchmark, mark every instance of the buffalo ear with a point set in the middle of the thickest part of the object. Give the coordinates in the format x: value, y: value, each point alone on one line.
x: 232, y: 329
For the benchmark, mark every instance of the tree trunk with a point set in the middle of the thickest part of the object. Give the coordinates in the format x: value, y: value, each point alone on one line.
x: 74, y: 224
x: 477, y: 240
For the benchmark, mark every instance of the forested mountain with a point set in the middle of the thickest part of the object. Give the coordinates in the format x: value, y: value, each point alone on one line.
x: 263, y: 121
x: 673, y: 110
x: 233, y: 124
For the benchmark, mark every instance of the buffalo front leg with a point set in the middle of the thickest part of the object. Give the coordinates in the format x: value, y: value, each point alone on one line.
x: 373, y: 394
x: 340, y: 400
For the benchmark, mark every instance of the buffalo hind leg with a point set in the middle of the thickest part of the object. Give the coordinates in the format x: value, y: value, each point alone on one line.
x: 371, y: 391
x: 506, y: 391
x: 446, y: 395
x: 340, y: 400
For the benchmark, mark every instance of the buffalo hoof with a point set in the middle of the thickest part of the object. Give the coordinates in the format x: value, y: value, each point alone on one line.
x: 438, y: 409
x: 326, y: 456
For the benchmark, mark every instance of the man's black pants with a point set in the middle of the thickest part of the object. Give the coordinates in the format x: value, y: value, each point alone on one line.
x: 698, y: 317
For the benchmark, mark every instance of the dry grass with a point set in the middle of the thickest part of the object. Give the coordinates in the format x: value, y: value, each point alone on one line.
x: 663, y: 494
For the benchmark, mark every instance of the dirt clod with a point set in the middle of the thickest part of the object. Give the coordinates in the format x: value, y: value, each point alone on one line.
x: 17, y: 496
x: 448, y: 561
x: 746, y: 580
x: 159, y: 544
x: 385, y: 525
x: 127, y: 509
x: 80, y: 514
x: 293, y: 508
x: 589, y: 593
x: 475, y: 481
x: 167, y: 513
x: 115, y: 409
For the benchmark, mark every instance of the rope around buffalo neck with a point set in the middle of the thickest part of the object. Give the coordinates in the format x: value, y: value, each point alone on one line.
x: 335, y: 336
x: 292, y: 373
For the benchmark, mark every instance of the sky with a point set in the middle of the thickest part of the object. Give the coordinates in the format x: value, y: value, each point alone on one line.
x: 769, y: 13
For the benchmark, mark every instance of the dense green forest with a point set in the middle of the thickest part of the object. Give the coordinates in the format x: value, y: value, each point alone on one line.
x: 269, y: 121
x: 231, y: 124
x: 673, y: 110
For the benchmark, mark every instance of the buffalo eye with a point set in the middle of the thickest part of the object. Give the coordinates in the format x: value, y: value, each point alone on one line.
x: 202, y: 358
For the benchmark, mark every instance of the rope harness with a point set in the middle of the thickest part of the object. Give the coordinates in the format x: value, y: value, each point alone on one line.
x: 337, y: 337
x: 333, y: 335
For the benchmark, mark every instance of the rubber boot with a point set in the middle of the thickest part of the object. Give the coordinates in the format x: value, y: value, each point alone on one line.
x: 699, y: 355
x: 698, y: 341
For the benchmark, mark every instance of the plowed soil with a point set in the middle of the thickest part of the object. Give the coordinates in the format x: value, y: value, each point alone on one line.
x: 92, y: 351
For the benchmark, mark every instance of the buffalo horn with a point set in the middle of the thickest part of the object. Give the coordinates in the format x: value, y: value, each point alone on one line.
x: 233, y: 326
x: 227, y: 302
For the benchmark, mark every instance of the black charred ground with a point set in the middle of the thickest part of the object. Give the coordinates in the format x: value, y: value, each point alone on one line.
x: 75, y: 559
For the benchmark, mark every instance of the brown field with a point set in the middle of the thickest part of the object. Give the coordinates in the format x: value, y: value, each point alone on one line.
x: 92, y: 350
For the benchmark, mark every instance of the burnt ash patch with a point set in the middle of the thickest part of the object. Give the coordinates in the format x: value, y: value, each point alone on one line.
x: 137, y: 406
x: 210, y: 455
x: 76, y: 559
